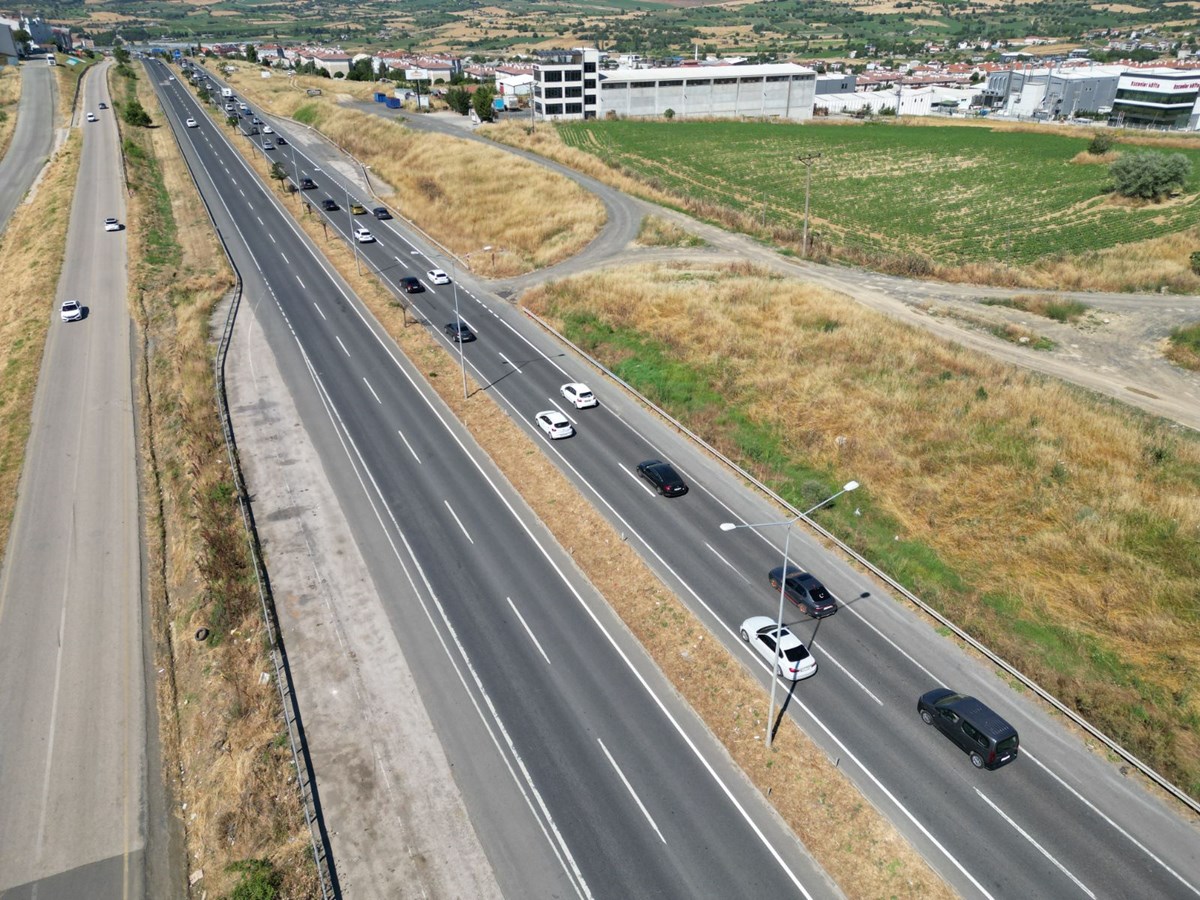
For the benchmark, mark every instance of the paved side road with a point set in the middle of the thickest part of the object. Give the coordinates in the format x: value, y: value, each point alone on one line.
x: 31, y: 140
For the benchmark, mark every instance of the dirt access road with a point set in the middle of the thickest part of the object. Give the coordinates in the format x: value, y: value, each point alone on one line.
x: 1115, y: 350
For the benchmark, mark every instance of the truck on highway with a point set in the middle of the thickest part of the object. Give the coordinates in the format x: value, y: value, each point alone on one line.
x: 226, y: 92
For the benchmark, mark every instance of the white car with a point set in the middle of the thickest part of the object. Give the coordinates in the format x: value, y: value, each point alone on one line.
x: 91, y: 117
x: 363, y: 235
x: 555, y: 424
x: 267, y: 129
x: 111, y: 224
x: 579, y: 395
x: 71, y: 311
x: 268, y: 144
x: 190, y: 123
x: 437, y: 276
x: 788, y: 655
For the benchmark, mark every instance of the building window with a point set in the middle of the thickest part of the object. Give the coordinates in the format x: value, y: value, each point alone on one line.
x: 554, y: 109
x: 589, y: 99
x: 574, y: 108
x: 553, y: 93
x: 553, y: 75
x: 572, y: 75
x: 589, y: 83
x: 573, y: 91
x: 641, y: 84
x: 724, y: 81
x: 613, y: 85
x: 777, y: 78
x: 670, y: 84
x: 705, y: 83
x: 589, y: 67
x: 1158, y: 98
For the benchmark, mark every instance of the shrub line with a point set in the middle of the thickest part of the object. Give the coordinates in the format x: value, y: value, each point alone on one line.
x: 896, y: 586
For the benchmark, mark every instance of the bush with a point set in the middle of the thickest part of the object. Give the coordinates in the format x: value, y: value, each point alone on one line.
x: 134, y: 114
x: 668, y: 113
x: 1150, y: 176
x: 259, y: 881
x: 1100, y: 144
x: 458, y: 100
x: 1195, y: 262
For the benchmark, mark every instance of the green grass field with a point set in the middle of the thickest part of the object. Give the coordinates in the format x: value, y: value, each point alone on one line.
x: 954, y: 194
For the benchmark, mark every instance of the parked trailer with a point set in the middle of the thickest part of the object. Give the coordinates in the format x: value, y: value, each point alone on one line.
x: 393, y: 102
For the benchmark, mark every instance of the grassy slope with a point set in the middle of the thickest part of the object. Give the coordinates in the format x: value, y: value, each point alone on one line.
x: 958, y: 196
x: 1058, y: 528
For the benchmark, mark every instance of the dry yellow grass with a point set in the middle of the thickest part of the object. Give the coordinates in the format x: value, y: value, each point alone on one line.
x: 1075, y: 520
x: 658, y: 232
x: 464, y: 194
x: 859, y: 848
x: 32, y: 248
x: 10, y: 96
x: 221, y: 726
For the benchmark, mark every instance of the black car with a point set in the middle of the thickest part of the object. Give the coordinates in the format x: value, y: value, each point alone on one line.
x: 329, y: 204
x: 306, y: 184
x: 103, y: 105
x: 979, y: 732
x: 459, y: 332
x: 279, y: 139
x: 253, y: 130
x: 663, y: 476
x: 380, y: 212
x: 804, y: 590
x: 411, y: 285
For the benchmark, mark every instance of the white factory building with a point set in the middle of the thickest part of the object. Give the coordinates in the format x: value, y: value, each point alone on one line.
x: 574, y: 87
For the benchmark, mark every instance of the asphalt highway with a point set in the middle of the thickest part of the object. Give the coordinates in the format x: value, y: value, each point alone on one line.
x: 32, y: 138
x: 615, y: 781
x: 1059, y: 822
x: 74, y: 722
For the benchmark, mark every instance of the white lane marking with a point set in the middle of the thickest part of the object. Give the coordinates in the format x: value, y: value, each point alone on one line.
x: 318, y: 308
x: 285, y: 259
x: 833, y: 660
x: 734, y: 568
x: 261, y: 222
x: 343, y: 346
x: 528, y: 630
x: 511, y: 363
x: 372, y: 390
x: 408, y: 445
x: 272, y: 237
x: 301, y: 282
x: 1191, y: 887
x: 570, y: 417
x: 240, y: 191
x: 637, y: 480
x: 632, y: 792
x: 58, y: 660
x: 1042, y: 850
x: 459, y: 521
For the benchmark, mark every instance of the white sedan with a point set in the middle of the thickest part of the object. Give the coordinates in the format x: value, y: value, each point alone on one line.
x: 190, y: 123
x: 579, y: 395
x: 555, y: 424
x: 111, y: 224
x: 437, y: 276
x: 363, y: 235
x: 788, y: 654
x: 91, y: 117
x: 71, y: 311
x: 267, y: 129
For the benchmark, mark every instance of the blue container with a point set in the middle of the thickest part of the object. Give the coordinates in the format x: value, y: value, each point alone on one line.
x: 393, y: 102
x: 380, y: 98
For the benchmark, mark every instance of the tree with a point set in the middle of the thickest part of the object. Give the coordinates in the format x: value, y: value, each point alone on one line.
x: 251, y: 53
x: 458, y: 100
x: 1150, y: 176
x: 22, y: 39
x: 134, y: 114
x: 362, y: 70
x: 481, y: 102
x: 1100, y: 144
x: 278, y: 172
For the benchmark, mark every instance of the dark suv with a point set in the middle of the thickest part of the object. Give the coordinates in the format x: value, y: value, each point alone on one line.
x: 306, y: 184
x: 979, y: 732
x: 804, y: 590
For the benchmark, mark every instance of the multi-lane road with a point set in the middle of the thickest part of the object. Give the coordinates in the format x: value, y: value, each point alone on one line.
x: 80, y: 798
x: 1060, y: 822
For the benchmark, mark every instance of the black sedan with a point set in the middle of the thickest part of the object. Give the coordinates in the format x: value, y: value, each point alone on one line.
x: 411, y: 285
x: 280, y: 140
x: 307, y: 184
x: 459, y: 332
x: 329, y: 204
x: 381, y: 212
x: 804, y: 590
x: 663, y: 476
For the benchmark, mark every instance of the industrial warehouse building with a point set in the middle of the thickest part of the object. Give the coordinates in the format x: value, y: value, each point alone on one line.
x: 575, y: 88
x: 1158, y: 98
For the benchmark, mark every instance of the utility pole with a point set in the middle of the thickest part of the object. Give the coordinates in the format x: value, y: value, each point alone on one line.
x: 808, y: 164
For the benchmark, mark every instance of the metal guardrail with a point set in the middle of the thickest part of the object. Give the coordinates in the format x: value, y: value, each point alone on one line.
x: 305, y: 774
x: 849, y: 551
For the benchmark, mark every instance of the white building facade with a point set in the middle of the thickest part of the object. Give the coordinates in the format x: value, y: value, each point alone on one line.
x: 1158, y: 99
x: 575, y: 88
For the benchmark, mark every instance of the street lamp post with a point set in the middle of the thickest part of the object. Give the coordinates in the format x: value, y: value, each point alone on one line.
x: 462, y: 360
x: 353, y: 238
x: 787, y: 524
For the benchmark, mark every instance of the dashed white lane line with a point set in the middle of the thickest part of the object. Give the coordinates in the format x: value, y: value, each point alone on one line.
x: 466, y: 533
x: 285, y: 259
x: 272, y: 237
x: 511, y: 363
x: 570, y: 418
x: 317, y: 306
x: 372, y: 390
x: 632, y: 792
x: 1042, y: 850
x: 637, y: 479
x: 409, y: 446
x: 865, y: 690
x: 732, y: 567
x: 340, y: 344
x: 528, y: 630
x: 301, y: 282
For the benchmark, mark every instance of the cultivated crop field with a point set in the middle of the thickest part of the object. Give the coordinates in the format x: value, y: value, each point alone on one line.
x: 956, y: 195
